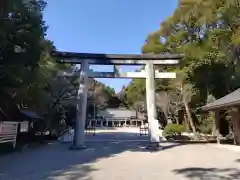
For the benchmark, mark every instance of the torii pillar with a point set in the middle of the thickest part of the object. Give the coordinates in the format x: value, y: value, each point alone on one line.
x: 81, y: 108
x: 153, y: 127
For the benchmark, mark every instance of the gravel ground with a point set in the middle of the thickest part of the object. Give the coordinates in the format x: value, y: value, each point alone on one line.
x: 122, y: 160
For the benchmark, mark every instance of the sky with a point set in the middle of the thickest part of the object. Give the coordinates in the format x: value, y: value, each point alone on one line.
x: 105, y: 26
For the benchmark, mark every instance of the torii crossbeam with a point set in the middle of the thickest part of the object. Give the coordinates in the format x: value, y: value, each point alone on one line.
x: 86, y: 59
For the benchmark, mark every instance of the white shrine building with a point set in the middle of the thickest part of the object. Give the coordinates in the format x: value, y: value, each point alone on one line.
x: 116, y: 117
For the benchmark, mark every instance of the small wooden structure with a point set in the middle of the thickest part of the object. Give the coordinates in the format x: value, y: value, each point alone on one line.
x: 230, y: 102
x: 28, y: 120
x: 8, y: 132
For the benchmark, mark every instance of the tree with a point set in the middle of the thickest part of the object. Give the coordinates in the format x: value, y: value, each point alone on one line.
x: 187, y: 92
x: 207, y: 33
x: 135, y: 92
x: 114, y: 102
x: 211, y: 116
x: 163, y: 101
x: 101, y: 95
x: 22, y: 43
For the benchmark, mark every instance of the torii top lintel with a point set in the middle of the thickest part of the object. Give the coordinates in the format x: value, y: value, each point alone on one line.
x: 116, y: 59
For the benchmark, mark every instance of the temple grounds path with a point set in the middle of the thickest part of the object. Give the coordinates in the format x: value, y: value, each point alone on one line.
x: 121, y: 157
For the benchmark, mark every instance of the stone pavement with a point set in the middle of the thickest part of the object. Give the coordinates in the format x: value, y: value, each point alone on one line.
x: 121, y: 160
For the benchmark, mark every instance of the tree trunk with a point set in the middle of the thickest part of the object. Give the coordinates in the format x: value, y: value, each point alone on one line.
x: 186, y: 123
x: 190, y: 118
x: 177, y: 121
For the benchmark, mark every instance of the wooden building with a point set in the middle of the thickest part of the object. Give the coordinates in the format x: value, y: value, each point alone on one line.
x: 231, y: 104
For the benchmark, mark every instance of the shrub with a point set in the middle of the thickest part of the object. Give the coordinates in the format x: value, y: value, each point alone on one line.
x: 172, y: 130
x: 206, y: 124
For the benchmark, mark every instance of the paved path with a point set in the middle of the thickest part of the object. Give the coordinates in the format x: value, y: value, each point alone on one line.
x: 121, y: 160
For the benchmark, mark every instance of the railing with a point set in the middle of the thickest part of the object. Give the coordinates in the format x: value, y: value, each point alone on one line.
x: 8, y: 132
x: 90, y: 130
x: 114, y: 122
x: 143, y: 131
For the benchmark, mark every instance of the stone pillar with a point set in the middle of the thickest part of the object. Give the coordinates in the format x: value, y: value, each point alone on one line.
x: 238, y: 127
x: 107, y: 122
x: 217, y: 126
x: 151, y: 107
x: 235, y: 114
x: 90, y: 123
x: 78, y: 142
x: 87, y: 123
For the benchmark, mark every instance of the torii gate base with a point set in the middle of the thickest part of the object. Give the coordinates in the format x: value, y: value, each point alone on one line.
x: 148, y: 60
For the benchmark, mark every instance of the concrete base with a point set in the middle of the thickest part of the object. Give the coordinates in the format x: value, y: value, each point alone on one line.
x: 74, y: 147
x: 154, y: 146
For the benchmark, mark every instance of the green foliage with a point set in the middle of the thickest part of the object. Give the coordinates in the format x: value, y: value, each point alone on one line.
x: 206, y: 121
x: 135, y: 91
x: 29, y: 76
x: 102, y: 95
x: 206, y: 124
x: 23, y: 48
x: 210, y: 98
x: 207, y: 33
x: 172, y: 130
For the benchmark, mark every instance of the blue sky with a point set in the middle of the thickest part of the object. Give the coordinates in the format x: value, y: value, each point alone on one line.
x: 105, y: 26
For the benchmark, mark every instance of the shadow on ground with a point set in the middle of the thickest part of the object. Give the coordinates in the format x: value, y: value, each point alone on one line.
x: 238, y: 160
x: 197, y: 173
x: 54, y: 161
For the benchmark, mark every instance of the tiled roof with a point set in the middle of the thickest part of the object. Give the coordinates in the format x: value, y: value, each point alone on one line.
x: 117, y: 113
x: 230, y: 100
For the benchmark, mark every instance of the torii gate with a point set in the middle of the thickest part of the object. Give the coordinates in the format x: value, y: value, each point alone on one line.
x: 86, y: 59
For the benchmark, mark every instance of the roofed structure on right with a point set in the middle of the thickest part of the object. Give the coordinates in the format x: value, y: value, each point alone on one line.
x: 231, y: 103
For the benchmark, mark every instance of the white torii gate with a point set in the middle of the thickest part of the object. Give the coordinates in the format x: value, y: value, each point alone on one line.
x: 105, y: 59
